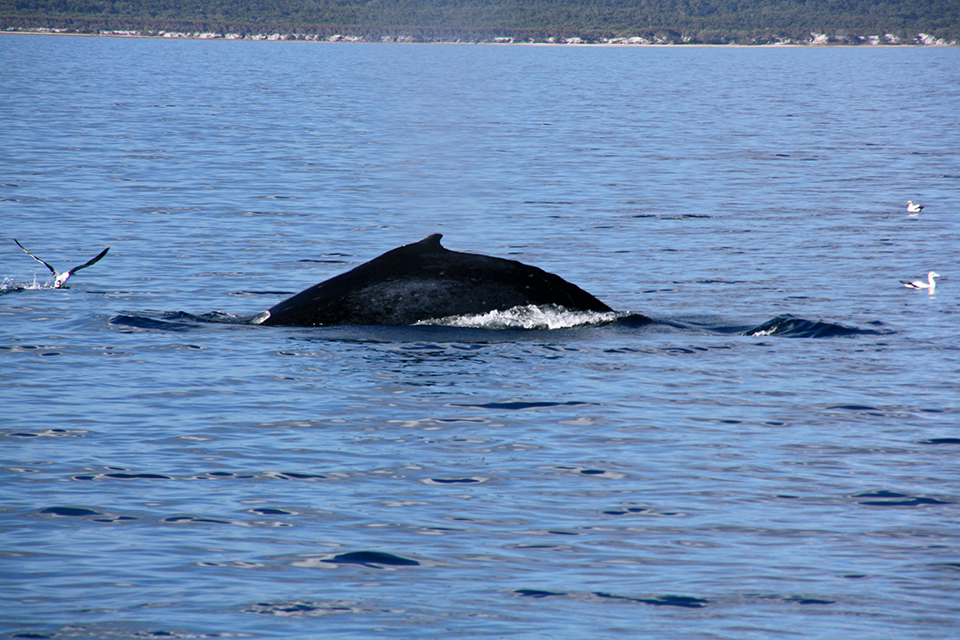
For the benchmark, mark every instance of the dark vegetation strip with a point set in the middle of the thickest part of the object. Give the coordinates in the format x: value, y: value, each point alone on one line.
x: 674, y: 21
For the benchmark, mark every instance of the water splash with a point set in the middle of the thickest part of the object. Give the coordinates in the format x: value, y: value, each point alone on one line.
x: 9, y: 285
x: 526, y: 317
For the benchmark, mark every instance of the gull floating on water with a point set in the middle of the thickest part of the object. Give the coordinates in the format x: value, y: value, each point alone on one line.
x: 914, y: 208
x: 60, y: 278
x: 930, y: 284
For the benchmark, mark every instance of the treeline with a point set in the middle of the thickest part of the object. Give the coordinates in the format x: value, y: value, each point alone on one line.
x: 678, y: 21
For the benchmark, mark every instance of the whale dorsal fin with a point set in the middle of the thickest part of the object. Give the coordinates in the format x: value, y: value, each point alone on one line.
x: 430, y: 244
x: 431, y: 241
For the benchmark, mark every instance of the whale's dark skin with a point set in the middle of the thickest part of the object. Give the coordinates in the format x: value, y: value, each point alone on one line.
x: 423, y: 280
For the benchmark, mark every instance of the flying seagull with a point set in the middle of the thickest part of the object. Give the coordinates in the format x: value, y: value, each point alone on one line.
x: 60, y: 278
x: 914, y: 208
x: 930, y: 284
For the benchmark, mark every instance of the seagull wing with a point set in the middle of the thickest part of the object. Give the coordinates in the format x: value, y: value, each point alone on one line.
x: 43, y: 262
x: 91, y: 262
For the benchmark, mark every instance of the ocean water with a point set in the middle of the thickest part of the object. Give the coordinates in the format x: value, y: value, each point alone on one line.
x: 775, y: 456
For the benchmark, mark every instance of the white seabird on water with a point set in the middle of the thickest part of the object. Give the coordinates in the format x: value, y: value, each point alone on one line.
x: 914, y: 208
x: 60, y: 278
x: 930, y: 284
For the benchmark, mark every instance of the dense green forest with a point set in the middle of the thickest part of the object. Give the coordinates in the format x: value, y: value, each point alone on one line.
x: 627, y: 21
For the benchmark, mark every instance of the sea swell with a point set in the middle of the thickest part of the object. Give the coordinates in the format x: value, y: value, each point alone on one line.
x: 523, y: 319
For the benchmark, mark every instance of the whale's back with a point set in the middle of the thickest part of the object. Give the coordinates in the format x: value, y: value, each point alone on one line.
x: 424, y: 280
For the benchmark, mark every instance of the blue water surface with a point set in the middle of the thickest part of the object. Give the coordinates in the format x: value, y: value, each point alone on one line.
x: 775, y: 456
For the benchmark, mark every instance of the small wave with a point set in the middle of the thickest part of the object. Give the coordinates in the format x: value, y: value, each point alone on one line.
x: 179, y: 321
x: 373, y: 559
x: 526, y: 317
x: 884, y: 498
x: 144, y: 323
x: 792, y: 327
x: 517, y: 405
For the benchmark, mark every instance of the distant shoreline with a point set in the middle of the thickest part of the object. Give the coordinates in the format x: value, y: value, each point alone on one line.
x: 566, y: 22
x: 922, y: 41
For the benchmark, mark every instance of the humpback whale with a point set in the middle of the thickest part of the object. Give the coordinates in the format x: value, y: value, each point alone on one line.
x: 424, y: 280
x: 60, y: 278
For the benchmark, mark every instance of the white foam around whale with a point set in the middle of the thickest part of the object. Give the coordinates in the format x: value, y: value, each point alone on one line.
x: 526, y: 317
